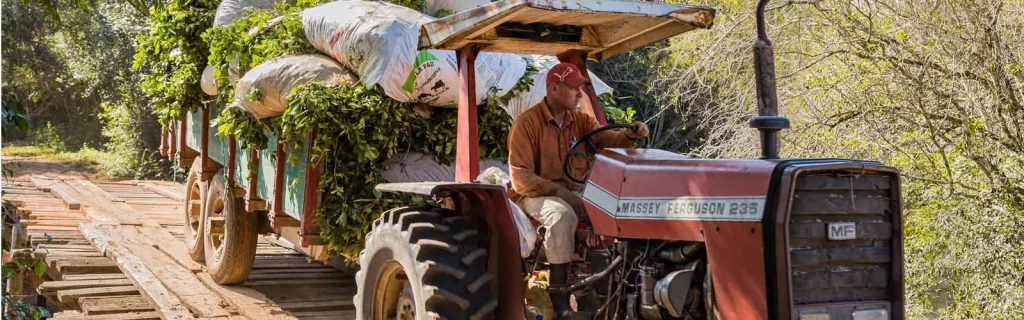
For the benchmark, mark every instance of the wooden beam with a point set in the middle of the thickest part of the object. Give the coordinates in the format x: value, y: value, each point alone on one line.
x: 97, y: 206
x: 206, y: 167
x: 467, y: 156
x: 95, y: 276
x: 163, y: 190
x: 122, y: 316
x: 120, y: 213
x: 175, y: 138
x: 664, y: 32
x: 163, y: 140
x: 50, y: 287
x: 579, y: 58
x: 278, y: 197
x: 249, y: 302
x: 114, y: 305
x: 467, y: 24
x: 83, y: 265
x: 64, y: 193
x: 611, y: 34
x: 174, y: 291
x: 71, y: 297
x: 232, y: 144
x: 253, y: 202
x: 311, y: 197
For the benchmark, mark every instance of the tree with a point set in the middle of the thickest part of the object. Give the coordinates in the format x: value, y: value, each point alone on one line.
x: 932, y: 87
x: 77, y: 75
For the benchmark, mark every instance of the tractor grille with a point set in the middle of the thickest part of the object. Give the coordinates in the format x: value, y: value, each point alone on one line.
x: 823, y: 270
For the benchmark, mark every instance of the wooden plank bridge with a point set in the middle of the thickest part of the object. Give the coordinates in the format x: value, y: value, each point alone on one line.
x: 115, y: 250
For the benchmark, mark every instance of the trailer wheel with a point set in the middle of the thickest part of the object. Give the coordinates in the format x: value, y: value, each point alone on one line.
x: 231, y: 234
x: 195, y: 222
x: 424, y: 263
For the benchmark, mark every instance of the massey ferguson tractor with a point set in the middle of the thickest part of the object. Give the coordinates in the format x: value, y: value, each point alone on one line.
x: 664, y: 236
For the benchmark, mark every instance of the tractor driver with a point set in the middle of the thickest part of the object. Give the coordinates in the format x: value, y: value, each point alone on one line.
x: 538, y: 144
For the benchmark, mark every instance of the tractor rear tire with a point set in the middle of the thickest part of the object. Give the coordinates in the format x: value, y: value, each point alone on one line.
x: 195, y: 221
x: 230, y: 245
x: 424, y: 263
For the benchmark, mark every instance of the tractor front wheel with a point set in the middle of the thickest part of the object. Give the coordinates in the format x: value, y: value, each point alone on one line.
x: 424, y: 263
x: 195, y: 222
x: 231, y: 234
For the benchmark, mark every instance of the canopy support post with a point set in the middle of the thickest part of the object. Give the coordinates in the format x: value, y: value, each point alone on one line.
x: 579, y: 58
x: 467, y: 155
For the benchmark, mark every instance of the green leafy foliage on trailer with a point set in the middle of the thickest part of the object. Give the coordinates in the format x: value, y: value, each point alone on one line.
x: 172, y: 56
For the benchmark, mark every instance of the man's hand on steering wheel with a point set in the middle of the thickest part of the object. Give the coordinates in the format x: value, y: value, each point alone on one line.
x: 637, y: 130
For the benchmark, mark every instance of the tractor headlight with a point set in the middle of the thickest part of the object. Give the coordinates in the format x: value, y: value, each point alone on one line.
x: 872, y: 314
x: 845, y: 311
x: 815, y: 316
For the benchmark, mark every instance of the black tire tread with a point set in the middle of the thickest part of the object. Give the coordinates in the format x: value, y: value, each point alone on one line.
x: 453, y: 287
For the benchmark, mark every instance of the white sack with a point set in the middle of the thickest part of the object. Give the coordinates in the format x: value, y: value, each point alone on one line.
x: 413, y: 166
x: 207, y: 82
x: 433, y: 7
x: 434, y: 79
x: 527, y: 234
x: 378, y: 42
x: 230, y: 10
x: 525, y: 100
x: 370, y: 38
x: 271, y: 83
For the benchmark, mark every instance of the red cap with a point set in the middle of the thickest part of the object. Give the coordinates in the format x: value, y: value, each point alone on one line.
x: 567, y: 73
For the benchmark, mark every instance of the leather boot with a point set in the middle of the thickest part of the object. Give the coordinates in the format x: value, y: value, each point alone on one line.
x: 560, y: 301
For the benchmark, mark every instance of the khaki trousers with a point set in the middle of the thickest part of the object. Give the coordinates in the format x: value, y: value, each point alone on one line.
x: 560, y: 220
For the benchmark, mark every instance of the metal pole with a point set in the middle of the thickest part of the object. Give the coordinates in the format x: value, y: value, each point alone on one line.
x: 767, y: 119
x: 579, y: 58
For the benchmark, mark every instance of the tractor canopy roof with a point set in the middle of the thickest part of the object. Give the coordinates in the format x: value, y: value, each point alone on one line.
x: 601, y: 28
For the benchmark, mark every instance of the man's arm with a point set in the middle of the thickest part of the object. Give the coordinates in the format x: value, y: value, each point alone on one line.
x: 607, y: 139
x: 522, y: 156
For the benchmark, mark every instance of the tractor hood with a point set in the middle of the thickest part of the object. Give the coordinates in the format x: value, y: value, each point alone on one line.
x: 637, y: 192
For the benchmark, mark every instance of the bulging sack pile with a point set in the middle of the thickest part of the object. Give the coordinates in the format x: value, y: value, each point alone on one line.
x: 230, y: 10
x: 264, y: 90
x: 378, y: 42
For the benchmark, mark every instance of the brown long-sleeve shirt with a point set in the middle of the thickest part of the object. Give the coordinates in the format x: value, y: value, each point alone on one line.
x: 538, y: 146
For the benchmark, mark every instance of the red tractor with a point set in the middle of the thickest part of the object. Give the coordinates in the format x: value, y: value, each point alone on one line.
x: 665, y: 236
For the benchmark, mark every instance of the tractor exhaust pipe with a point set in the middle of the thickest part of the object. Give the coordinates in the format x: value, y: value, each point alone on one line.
x: 767, y: 120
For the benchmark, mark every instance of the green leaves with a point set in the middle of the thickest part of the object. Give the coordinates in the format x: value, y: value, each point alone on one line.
x: 14, y: 114
x: 247, y: 130
x: 257, y: 37
x: 21, y: 261
x: 172, y: 55
x: 613, y: 112
x: 39, y: 268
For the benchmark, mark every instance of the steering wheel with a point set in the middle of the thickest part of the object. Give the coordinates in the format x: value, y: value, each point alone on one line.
x: 591, y: 148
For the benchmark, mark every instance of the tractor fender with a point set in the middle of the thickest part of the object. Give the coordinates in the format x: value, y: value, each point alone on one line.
x: 489, y: 204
